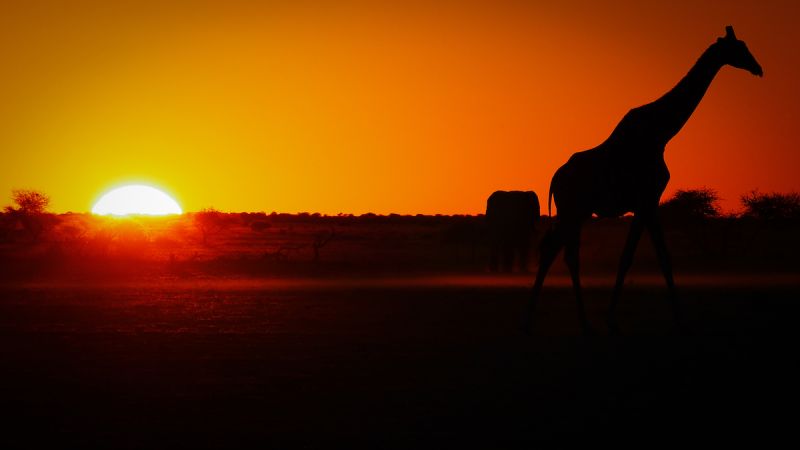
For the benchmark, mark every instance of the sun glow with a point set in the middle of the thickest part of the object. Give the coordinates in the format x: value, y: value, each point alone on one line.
x: 136, y: 199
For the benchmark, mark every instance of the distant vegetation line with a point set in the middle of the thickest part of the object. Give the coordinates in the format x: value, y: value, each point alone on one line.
x: 36, y: 243
x: 692, y: 203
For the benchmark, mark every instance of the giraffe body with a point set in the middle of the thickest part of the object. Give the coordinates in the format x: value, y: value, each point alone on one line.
x: 604, y: 186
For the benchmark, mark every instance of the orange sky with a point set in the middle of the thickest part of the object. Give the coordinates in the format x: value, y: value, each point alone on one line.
x: 352, y: 107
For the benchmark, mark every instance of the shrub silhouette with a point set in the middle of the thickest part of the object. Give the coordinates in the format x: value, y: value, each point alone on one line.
x: 772, y: 206
x: 321, y: 239
x: 29, y: 201
x: 209, y: 221
x: 30, y: 213
x: 691, y: 204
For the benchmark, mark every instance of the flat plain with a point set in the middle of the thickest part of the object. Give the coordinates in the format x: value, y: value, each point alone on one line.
x: 391, y: 357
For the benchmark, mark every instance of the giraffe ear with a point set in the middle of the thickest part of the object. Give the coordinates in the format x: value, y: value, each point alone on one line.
x: 729, y: 32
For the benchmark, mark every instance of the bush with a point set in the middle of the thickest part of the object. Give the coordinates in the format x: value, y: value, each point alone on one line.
x: 772, y: 206
x: 692, y: 204
x: 209, y: 221
x: 31, y: 213
x: 30, y: 202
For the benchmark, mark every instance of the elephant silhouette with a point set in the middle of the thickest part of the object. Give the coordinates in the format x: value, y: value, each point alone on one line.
x: 511, y: 218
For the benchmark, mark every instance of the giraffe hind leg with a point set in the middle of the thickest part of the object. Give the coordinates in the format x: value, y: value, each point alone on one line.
x: 551, y: 244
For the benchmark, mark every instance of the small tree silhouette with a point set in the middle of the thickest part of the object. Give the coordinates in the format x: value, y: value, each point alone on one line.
x: 210, y: 221
x: 29, y: 201
x: 772, y: 206
x: 692, y: 204
x: 321, y: 240
x: 30, y: 211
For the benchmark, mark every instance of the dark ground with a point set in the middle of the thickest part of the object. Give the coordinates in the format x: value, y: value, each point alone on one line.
x: 427, y: 365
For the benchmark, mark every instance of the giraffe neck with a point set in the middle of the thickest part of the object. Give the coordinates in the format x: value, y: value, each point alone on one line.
x: 675, y: 107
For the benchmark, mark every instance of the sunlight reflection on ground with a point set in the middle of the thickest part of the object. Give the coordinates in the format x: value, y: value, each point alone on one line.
x: 416, y: 282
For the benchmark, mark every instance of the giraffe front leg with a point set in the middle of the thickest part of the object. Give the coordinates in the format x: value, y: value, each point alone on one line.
x: 625, y: 262
x: 571, y: 257
x: 657, y: 236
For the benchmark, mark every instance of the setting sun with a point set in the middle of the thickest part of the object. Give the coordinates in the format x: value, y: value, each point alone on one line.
x: 136, y: 199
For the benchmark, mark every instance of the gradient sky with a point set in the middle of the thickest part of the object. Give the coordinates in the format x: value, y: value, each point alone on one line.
x: 368, y: 107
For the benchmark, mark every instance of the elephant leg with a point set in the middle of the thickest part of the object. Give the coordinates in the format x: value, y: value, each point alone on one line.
x: 494, y: 256
x: 572, y: 258
x: 508, y: 255
x: 657, y: 236
x: 524, y: 254
x: 551, y: 244
x: 635, y: 232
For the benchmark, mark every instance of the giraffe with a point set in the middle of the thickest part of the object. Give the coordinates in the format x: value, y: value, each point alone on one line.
x: 627, y: 174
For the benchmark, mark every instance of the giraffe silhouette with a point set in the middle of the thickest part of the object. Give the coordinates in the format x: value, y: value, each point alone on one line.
x: 627, y: 174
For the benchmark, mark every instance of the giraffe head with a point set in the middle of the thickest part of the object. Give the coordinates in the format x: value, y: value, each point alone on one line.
x: 735, y: 53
